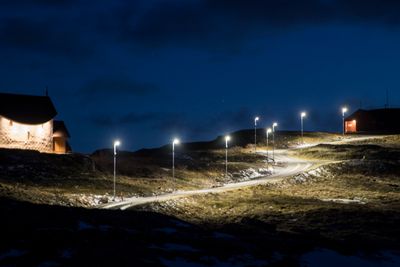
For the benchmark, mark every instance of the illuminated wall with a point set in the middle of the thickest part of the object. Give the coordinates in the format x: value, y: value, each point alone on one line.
x: 351, y: 126
x: 26, y: 136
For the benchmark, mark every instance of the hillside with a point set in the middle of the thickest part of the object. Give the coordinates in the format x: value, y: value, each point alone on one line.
x: 199, y: 156
x: 84, y: 180
x: 350, y: 205
x: 346, y: 207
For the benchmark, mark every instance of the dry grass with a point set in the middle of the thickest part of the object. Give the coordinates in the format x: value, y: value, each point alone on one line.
x: 392, y: 141
x: 46, y: 178
x: 293, y: 139
x: 349, y: 152
x: 306, y: 203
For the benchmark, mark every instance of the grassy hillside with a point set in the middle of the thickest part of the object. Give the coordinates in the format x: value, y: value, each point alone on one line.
x: 351, y: 206
x: 349, y: 152
x: 82, y: 180
x: 355, y: 200
x: 77, y: 179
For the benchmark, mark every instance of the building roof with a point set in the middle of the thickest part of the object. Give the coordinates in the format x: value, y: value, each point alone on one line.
x: 60, y: 129
x: 27, y: 109
x: 383, y: 113
x: 377, y: 120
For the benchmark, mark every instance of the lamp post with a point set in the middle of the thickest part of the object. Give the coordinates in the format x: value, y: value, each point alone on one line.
x: 116, y: 143
x: 227, y: 139
x: 302, y: 116
x: 344, y: 110
x: 255, y: 133
x: 174, y: 142
x: 268, y: 132
x: 275, y: 124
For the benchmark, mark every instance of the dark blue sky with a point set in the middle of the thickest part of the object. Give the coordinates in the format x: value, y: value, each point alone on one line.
x: 145, y: 71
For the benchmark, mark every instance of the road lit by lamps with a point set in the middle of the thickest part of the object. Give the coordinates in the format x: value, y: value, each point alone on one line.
x: 344, y: 110
x: 274, y: 125
x: 174, y: 142
x: 116, y: 144
x: 269, y: 130
x: 255, y: 133
x: 302, y: 116
x: 227, y: 139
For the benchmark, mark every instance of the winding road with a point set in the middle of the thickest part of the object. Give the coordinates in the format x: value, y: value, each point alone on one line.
x: 286, y: 166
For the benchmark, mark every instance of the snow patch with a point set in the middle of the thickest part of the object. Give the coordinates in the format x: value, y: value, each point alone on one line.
x: 315, y: 173
x: 105, y: 228
x: 252, y: 173
x: 167, y: 230
x: 224, y: 236
x: 66, y: 254
x: 179, y: 262
x: 304, y: 145
x: 174, y: 247
x: 48, y: 264
x: 329, y: 258
x: 179, y: 247
x: 12, y: 253
x: 180, y: 224
x: 84, y: 226
x: 345, y: 200
x: 240, y: 260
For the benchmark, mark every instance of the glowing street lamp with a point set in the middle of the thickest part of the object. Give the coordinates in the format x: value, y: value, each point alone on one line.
x: 174, y: 142
x: 302, y: 116
x: 255, y: 133
x: 116, y: 143
x: 227, y: 139
x: 344, y: 110
x: 269, y: 130
x: 275, y: 124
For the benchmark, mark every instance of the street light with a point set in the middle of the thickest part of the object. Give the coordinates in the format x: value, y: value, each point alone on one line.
x: 275, y: 124
x: 344, y: 110
x: 302, y: 116
x: 116, y: 143
x: 227, y: 139
x: 174, y: 142
x: 268, y: 132
x: 255, y: 133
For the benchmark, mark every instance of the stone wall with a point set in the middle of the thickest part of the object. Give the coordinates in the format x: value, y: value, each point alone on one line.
x: 25, y: 136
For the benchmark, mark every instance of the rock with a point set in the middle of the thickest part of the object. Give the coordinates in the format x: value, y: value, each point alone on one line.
x: 103, y: 200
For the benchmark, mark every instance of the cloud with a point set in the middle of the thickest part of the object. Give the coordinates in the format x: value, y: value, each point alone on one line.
x: 125, y: 119
x: 42, y: 36
x: 117, y: 86
x: 229, y: 24
x: 228, y: 120
x: 37, y: 3
x: 71, y: 28
x: 173, y: 122
x: 383, y: 12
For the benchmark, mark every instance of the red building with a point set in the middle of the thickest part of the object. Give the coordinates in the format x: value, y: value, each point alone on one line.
x: 374, y: 121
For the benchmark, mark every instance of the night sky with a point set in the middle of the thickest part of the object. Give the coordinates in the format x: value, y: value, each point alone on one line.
x: 147, y: 71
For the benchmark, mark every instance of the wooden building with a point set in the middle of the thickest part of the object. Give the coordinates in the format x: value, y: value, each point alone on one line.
x: 27, y: 122
x: 385, y: 120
